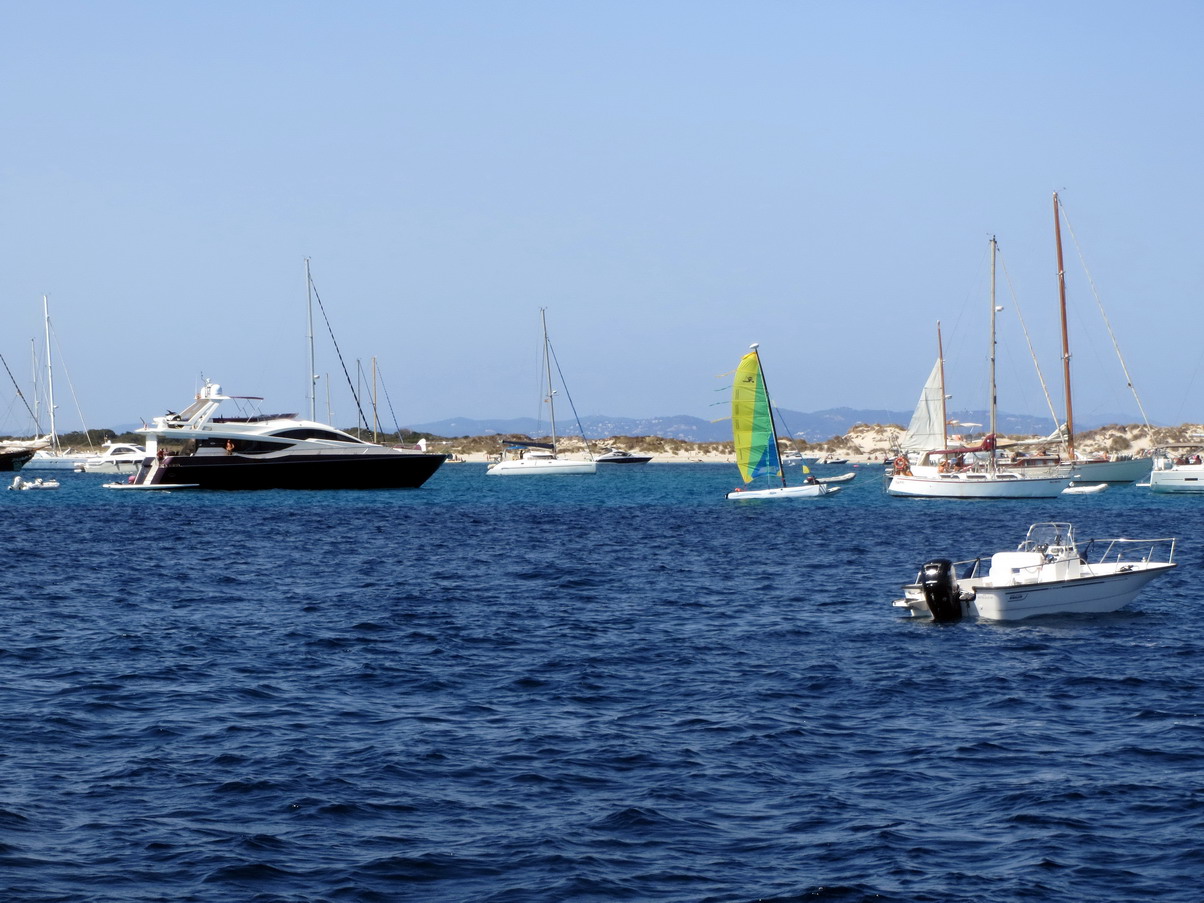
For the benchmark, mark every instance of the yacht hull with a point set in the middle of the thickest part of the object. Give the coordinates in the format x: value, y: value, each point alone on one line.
x: 977, y: 486
x: 12, y: 461
x: 1178, y: 478
x: 294, y: 471
x: 540, y: 467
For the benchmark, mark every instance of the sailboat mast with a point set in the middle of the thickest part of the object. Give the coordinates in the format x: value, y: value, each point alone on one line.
x: 773, y: 426
x: 547, y: 360
x: 1065, y: 331
x: 991, y: 459
x: 940, y: 358
x: 54, y: 434
x: 309, y: 310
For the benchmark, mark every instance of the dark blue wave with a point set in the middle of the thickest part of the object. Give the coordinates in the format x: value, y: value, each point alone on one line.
x: 618, y: 688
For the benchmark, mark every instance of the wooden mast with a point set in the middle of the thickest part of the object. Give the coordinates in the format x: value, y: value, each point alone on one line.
x: 1065, y: 332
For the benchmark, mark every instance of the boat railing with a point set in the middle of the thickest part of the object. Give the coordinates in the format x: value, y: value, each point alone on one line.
x: 1137, y: 551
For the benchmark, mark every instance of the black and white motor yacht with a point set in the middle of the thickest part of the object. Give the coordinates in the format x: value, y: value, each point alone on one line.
x: 195, y: 449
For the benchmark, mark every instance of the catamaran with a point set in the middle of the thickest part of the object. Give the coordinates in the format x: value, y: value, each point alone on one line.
x: 756, y: 437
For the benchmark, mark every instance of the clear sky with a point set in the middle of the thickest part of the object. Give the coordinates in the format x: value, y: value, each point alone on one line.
x: 671, y: 180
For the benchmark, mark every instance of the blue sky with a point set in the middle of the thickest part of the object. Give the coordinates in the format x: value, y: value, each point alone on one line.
x: 671, y: 180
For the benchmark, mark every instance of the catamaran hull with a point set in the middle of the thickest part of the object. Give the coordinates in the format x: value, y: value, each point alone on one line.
x: 541, y: 467
x: 972, y: 486
x: 293, y: 471
x: 784, y: 492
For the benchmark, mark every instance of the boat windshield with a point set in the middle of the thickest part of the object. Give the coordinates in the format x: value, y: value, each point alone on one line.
x: 1045, y: 536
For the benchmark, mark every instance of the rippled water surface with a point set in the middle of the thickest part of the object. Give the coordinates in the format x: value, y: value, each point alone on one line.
x: 605, y: 688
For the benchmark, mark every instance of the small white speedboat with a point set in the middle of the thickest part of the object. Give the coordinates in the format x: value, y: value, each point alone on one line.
x: 20, y: 483
x: 620, y: 456
x: 1048, y: 574
x: 117, y: 457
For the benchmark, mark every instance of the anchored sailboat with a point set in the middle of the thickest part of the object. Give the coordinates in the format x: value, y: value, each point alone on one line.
x: 55, y: 457
x: 542, y: 457
x: 963, y: 473
x: 756, y: 437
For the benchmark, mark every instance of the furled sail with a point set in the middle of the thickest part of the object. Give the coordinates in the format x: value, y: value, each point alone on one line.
x: 752, y: 422
x: 927, y: 430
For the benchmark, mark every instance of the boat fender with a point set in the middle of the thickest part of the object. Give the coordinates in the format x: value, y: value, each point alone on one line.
x: 941, y: 590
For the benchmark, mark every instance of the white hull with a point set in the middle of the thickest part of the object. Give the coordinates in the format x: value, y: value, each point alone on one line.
x: 541, y: 467
x: 810, y: 490
x: 1090, y: 594
x: 1047, y: 575
x: 44, y: 460
x: 39, y: 483
x: 1129, y: 470
x: 1084, y: 489
x: 111, y: 467
x: 977, y: 486
x: 1175, y: 478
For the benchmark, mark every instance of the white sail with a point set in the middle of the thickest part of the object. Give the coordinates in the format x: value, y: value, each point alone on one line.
x: 926, y: 430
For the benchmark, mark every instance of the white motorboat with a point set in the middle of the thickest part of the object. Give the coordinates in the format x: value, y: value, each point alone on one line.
x: 797, y: 457
x: 117, y: 457
x: 1179, y: 468
x: 755, y: 436
x: 195, y: 449
x: 620, y: 456
x: 541, y: 458
x: 1048, y: 574
x: 967, y: 472
x: 20, y: 482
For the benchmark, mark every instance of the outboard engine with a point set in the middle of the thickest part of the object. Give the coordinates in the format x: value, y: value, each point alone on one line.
x: 940, y: 590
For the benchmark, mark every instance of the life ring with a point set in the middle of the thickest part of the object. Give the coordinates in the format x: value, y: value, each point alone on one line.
x: 901, y: 466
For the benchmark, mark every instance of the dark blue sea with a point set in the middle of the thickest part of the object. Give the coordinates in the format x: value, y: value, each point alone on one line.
x: 587, y: 689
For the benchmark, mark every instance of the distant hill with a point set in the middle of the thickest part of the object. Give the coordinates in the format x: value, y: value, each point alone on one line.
x: 818, y: 426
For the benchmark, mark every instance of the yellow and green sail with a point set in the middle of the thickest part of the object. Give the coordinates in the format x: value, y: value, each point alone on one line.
x: 752, y: 422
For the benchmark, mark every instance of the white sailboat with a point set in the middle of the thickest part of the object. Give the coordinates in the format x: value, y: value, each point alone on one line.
x: 542, y: 458
x: 967, y: 472
x: 54, y: 456
x: 1088, y: 471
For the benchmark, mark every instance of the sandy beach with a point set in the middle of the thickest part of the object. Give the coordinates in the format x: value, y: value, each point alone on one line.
x: 861, y: 445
